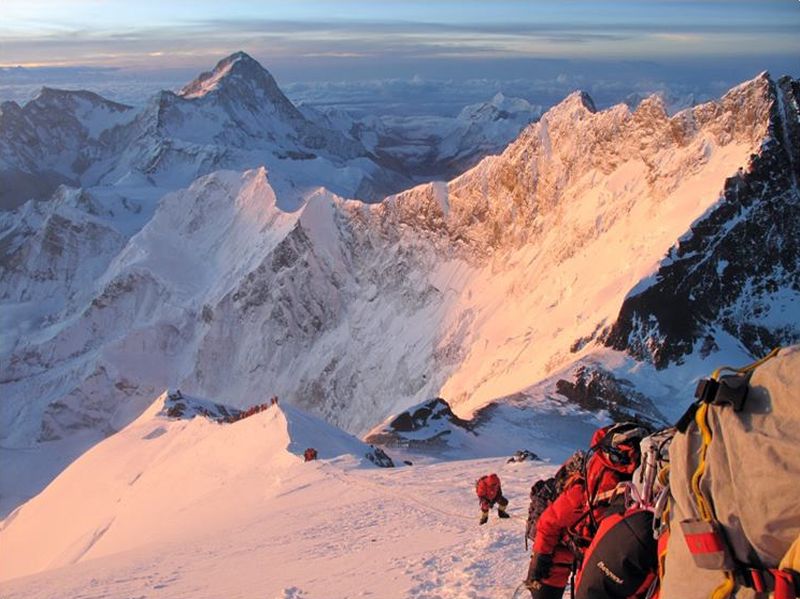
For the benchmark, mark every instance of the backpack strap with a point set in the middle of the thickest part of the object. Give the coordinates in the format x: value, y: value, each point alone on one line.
x: 706, y: 393
x: 785, y: 584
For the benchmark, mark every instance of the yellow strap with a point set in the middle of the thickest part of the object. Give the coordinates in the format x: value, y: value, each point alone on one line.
x: 744, y: 369
x: 724, y: 590
x: 791, y: 561
x: 606, y: 495
x: 663, y: 476
x: 704, y: 507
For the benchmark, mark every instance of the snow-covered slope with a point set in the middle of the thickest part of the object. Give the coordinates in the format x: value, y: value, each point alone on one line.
x: 232, y: 510
x: 494, y: 287
x: 120, y: 494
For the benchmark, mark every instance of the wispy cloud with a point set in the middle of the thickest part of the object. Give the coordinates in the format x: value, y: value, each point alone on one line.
x: 190, y: 43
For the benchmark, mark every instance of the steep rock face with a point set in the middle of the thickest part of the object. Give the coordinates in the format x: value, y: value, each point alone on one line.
x: 50, y: 253
x: 571, y: 217
x: 594, y: 389
x: 322, y: 292
x: 737, y: 270
x: 52, y: 140
x: 46, y: 245
x: 422, y: 427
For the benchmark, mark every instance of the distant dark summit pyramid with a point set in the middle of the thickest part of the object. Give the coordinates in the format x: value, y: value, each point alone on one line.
x: 235, y: 116
x: 238, y: 75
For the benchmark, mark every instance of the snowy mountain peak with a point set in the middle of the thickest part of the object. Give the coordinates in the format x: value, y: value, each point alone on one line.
x: 760, y: 85
x: 50, y: 97
x: 500, y: 108
x: 575, y: 107
x: 652, y: 106
x: 9, y: 107
x: 237, y: 73
x: 580, y: 98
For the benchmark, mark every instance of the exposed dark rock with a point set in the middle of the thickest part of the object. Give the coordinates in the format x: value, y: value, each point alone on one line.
x: 522, y: 455
x: 595, y: 389
x: 435, y: 409
x: 425, y: 426
x: 178, y: 406
x: 734, y: 264
x: 379, y: 457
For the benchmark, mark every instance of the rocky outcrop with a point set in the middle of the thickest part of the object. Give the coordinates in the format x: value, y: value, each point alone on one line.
x: 423, y: 427
x: 595, y: 389
x: 736, y: 271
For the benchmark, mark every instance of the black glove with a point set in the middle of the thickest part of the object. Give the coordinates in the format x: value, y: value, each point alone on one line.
x: 540, y: 566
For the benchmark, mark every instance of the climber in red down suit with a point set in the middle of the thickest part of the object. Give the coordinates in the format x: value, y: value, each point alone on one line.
x: 566, y: 527
x: 489, y: 493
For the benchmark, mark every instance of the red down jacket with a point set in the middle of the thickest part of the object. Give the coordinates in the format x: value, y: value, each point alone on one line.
x: 488, y: 490
x: 567, y: 518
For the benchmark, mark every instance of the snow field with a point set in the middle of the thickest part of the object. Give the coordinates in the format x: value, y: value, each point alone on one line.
x: 232, y: 513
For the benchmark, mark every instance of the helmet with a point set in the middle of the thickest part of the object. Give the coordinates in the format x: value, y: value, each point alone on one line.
x: 620, y: 442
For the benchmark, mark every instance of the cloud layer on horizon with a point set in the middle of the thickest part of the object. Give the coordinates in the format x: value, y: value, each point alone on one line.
x: 356, y: 36
x: 544, y: 83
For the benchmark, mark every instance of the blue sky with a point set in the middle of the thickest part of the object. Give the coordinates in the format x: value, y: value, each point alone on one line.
x: 310, y: 34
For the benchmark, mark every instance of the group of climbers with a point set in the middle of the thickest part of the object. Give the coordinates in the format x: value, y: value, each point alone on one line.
x: 705, y: 509
x: 565, y: 526
x: 252, y: 410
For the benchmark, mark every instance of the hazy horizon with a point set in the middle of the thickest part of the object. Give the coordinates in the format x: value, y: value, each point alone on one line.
x: 614, y: 49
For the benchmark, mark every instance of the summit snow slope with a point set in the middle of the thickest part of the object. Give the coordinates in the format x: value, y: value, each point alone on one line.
x: 169, y: 508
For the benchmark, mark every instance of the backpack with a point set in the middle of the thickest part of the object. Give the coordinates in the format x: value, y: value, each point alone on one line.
x: 734, y: 472
x: 622, y: 560
x: 545, y: 491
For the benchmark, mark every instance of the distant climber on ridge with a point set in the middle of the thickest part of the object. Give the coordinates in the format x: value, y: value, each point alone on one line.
x: 489, y: 492
x: 310, y: 454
